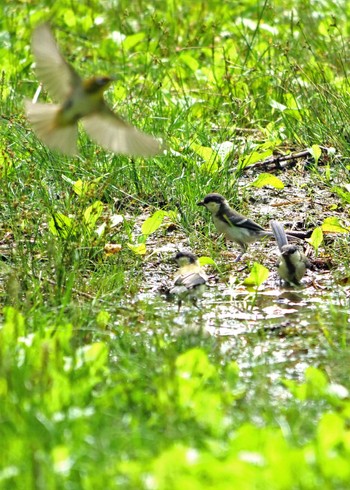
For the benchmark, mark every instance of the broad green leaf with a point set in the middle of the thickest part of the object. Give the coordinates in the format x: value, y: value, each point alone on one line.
x: 191, y: 62
x: 69, y: 17
x: 78, y: 187
x: 316, y: 379
x: 139, y: 249
x: 333, y: 225
x: 316, y: 152
x: 94, y: 355
x: 291, y: 101
x: 268, y: 179
x: 132, y: 40
x: 255, y: 156
x: 314, y: 387
x: 330, y: 431
x: 83, y: 188
x: 194, y: 362
x: 96, y: 352
x: 103, y: 318
x: 61, y: 225
x: 224, y: 150
x: 151, y: 224
x: 257, y: 276
x: 197, y: 110
x: 294, y: 113
x: 341, y: 193
x: 93, y: 213
x: 207, y: 261
x: 316, y: 238
x: 209, y: 156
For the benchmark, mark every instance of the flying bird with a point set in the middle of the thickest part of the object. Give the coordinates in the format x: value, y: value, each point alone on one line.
x: 56, y: 125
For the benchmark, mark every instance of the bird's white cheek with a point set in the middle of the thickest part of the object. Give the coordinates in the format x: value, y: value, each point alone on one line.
x: 213, y: 207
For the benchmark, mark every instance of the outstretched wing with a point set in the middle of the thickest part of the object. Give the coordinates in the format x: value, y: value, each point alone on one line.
x: 58, y: 76
x: 114, y: 134
x: 43, y: 120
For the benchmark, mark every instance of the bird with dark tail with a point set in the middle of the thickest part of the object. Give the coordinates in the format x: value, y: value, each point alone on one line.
x: 292, y: 263
x: 237, y: 227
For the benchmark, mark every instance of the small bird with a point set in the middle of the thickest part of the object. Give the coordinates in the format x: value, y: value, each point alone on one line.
x: 292, y: 263
x: 56, y: 125
x: 190, y: 280
x: 235, y: 226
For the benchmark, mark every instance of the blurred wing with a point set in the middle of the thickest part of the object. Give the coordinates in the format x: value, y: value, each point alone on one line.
x: 114, y: 134
x: 43, y: 120
x: 51, y: 68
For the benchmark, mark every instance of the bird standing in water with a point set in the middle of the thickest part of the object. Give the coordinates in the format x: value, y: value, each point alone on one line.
x: 292, y: 263
x: 190, y: 280
x: 56, y: 125
x: 235, y: 226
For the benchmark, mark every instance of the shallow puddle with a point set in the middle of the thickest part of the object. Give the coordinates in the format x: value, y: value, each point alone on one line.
x: 284, y: 327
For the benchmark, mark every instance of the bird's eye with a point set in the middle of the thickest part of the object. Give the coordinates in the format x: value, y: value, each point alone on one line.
x: 102, y: 81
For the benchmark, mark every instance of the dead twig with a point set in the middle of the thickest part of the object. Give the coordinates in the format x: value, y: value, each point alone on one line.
x: 281, y: 161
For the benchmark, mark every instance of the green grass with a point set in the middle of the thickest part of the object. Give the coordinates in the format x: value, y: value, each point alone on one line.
x: 103, y: 384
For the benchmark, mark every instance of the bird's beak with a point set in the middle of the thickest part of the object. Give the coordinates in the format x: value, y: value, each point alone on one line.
x: 200, y: 203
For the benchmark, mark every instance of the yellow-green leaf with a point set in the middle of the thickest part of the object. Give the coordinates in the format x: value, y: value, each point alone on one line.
x: 139, y: 249
x: 209, y: 156
x: 61, y: 225
x: 151, y: 224
x: 188, y: 60
x: 316, y: 152
x: 316, y: 238
x: 255, y: 156
x: 268, y: 179
x: 333, y: 225
x: 92, y: 213
x: 206, y: 261
x: 132, y: 40
x: 103, y: 318
x: 341, y: 193
x: 257, y: 276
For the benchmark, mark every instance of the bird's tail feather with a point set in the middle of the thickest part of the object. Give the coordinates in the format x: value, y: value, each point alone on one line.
x: 43, y: 118
x: 279, y: 233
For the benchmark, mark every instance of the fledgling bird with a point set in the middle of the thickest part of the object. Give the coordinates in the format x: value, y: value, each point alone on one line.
x: 190, y: 280
x: 56, y: 125
x: 292, y: 263
x: 235, y: 226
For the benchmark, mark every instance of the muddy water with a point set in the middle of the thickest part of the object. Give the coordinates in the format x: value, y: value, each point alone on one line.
x: 285, y: 329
